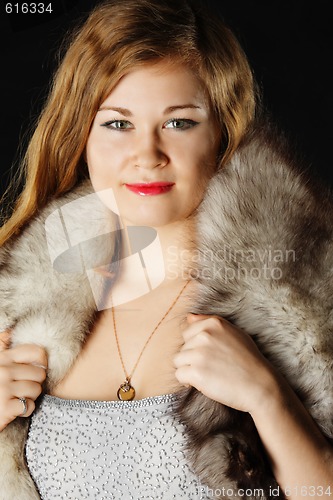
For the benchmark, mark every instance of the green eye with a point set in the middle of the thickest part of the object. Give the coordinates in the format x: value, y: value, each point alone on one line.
x: 180, y: 124
x: 118, y: 125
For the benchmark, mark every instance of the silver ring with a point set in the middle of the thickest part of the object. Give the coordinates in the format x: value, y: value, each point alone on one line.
x: 25, y: 406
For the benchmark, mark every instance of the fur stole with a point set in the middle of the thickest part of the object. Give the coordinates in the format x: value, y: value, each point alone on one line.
x: 265, y: 261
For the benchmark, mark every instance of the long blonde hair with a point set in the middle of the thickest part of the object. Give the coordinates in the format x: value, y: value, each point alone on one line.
x: 116, y: 38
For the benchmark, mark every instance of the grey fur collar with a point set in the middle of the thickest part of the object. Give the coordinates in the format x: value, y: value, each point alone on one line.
x: 266, y: 264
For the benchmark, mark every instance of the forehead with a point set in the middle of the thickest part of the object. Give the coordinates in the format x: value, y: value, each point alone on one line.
x: 158, y: 84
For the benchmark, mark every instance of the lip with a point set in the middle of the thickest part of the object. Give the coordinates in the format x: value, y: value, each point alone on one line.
x: 150, y: 188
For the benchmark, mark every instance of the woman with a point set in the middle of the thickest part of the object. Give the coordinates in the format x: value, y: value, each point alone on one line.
x: 151, y: 99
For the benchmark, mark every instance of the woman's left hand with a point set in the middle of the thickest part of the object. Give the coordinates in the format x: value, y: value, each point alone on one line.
x: 224, y: 363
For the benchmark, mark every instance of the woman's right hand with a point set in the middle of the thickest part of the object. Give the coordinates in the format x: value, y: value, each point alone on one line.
x: 22, y: 372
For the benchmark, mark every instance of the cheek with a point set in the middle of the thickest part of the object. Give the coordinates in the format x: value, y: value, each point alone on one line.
x: 202, y: 165
x: 102, y: 159
x: 206, y: 146
x: 194, y: 186
x: 102, y: 173
x: 200, y: 171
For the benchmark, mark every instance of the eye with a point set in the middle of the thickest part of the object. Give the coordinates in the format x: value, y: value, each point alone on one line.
x: 180, y: 124
x: 118, y: 125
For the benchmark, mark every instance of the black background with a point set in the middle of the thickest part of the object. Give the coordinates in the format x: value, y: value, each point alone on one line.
x: 289, y: 45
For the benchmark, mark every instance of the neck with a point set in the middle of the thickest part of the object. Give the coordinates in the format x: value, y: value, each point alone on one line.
x: 177, y: 241
x: 162, y: 262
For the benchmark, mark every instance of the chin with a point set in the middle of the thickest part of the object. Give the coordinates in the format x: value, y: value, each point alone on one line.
x: 152, y: 221
x: 153, y: 216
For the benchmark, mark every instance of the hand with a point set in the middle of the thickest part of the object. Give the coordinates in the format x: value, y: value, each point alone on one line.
x: 22, y: 372
x: 224, y: 363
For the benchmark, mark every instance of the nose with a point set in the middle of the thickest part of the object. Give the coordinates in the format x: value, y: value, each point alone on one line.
x: 149, y: 152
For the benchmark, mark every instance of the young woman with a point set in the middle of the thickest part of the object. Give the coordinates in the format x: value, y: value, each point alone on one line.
x: 151, y: 99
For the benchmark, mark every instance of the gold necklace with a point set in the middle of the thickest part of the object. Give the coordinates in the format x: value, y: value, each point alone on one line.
x: 126, y: 391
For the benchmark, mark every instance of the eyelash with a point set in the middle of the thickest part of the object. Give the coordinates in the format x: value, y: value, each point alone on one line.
x: 111, y: 122
x: 188, y: 124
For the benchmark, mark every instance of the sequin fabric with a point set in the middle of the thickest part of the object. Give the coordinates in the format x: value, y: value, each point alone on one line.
x: 106, y: 450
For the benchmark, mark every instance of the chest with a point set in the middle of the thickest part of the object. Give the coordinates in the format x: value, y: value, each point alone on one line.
x: 126, y: 344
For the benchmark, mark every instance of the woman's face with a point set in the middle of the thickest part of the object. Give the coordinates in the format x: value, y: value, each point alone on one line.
x: 154, y: 142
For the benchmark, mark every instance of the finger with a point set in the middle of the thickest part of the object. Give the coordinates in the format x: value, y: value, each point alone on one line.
x: 186, y: 376
x: 28, y: 372
x: 197, y: 358
x: 182, y: 358
x: 202, y: 339
x: 193, y: 318
x: 183, y: 375
x: 29, y: 354
x: 207, y: 323
x: 22, y: 388
x: 193, y: 329
x: 16, y: 408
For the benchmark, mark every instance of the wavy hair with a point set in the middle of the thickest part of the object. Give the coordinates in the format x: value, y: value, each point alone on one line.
x: 117, y: 37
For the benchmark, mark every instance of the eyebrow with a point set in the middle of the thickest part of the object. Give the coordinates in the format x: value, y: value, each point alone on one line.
x: 128, y: 113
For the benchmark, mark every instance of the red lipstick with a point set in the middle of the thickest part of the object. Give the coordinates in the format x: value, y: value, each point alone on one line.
x: 150, y: 188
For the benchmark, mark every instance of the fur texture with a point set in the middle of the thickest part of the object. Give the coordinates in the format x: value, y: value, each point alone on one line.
x: 46, y: 299
x: 266, y: 260
x: 265, y: 264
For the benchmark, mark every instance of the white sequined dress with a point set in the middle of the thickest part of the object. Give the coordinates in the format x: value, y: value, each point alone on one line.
x: 104, y: 450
